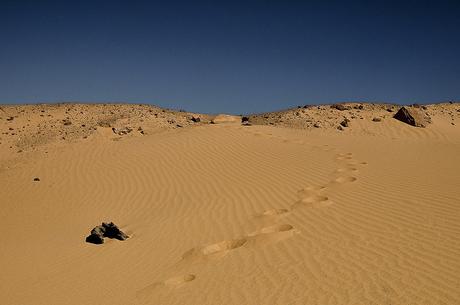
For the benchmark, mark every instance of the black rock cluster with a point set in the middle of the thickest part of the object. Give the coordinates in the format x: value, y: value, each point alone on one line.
x: 109, y: 230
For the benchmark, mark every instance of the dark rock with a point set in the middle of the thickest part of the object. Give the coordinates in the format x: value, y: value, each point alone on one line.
x: 109, y: 230
x: 36, y: 179
x: 376, y: 120
x: 340, y: 107
x: 345, y: 122
x: 317, y: 125
x: 390, y: 110
x: 67, y: 122
x: 245, y: 121
x: 340, y: 128
x: 112, y: 231
x: 196, y: 119
x: 412, y: 116
x: 95, y: 239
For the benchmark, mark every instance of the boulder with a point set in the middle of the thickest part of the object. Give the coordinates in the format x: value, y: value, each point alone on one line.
x: 412, y: 116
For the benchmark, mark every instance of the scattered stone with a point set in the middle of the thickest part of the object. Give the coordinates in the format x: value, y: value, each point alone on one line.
x: 36, y: 179
x: 340, y: 128
x: 376, y: 120
x: 179, y: 125
x: 109, y: 230
x: 412, y: 116
x: 10, y: 118
x: 196, y: 119
x: 122, y: 131
x: 67, y: 122
x: 345, y: 122
x: 389, y: 110
x: 317, y: 125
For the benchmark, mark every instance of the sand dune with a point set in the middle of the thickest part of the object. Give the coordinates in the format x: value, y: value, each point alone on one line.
x: 279, y: 212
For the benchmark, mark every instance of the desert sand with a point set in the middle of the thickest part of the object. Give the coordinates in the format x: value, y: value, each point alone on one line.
x: 288, y: 209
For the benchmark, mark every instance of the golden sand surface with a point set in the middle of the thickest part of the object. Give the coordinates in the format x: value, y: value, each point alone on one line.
x: 278, y: 212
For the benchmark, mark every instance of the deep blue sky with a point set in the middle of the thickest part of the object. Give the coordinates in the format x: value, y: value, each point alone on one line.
x: 236, y: 57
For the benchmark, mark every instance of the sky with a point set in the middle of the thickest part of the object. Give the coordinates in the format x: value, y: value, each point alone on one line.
x: 229, y: 56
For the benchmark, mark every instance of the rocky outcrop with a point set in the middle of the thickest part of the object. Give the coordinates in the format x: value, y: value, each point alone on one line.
x: 109, y: 230
x: 340, y: 107
x: 413, y: 116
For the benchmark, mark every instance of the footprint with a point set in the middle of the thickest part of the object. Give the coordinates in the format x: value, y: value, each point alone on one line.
x: 312, y: 201
x: 174, y: 281
x: 348, y: 168
x: 342, y: 180
x: 314, y: 198
x: 221, y: 248
x: 181, y: 279
x: 346, y: 156
x: 273, y: 212
x: 272, y: 234
x: 309, y: 190
x: 273, y: 229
